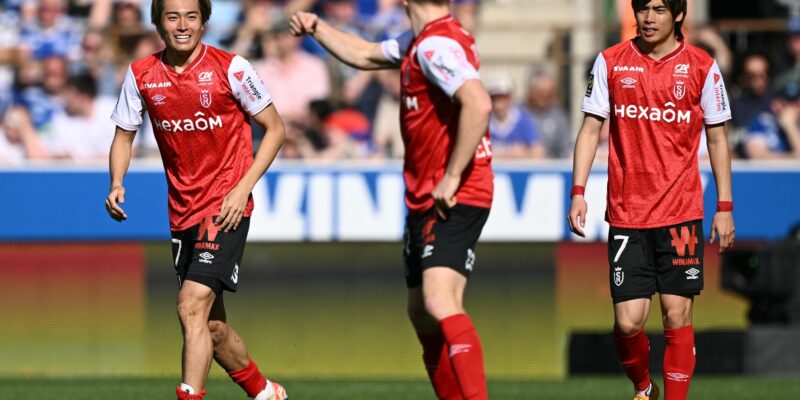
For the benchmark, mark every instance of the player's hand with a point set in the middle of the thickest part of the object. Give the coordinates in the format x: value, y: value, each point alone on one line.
x: 303, y: 23
x: 577, y: 215
x: 116, y: 196
x: 232, y: 211
x: 722, y: 225
x: 444, y: 195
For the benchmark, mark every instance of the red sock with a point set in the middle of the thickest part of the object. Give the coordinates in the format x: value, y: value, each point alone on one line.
x: 633, y: 352
x: 249, y: 378
x: 466, y: 355
x: 437, y: 363
x: 679, y: 360
x: 186, y: 396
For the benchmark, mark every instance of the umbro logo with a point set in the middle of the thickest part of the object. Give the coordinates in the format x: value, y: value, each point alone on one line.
x: 628, y: 83
x: 692, y: 273
x: 427, y: 251
x: 677, y: 376
x: 459, y: 348
x: 206, y: 257
x: 159, y: 99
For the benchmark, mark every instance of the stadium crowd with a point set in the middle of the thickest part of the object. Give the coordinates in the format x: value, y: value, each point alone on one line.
x: 62, y: 63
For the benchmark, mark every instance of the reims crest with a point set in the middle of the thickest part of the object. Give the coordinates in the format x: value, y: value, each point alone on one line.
x: 205, y: 98
x: 679, y: 90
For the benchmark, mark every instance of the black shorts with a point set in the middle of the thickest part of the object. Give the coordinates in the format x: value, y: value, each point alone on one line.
x: 207, y: 255
x: 668, y: 260
x: 433, y: 242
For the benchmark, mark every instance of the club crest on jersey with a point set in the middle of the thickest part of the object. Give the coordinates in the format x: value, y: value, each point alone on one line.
x: 619, y: 276
x: 679, y: 90
x: 205, y: 98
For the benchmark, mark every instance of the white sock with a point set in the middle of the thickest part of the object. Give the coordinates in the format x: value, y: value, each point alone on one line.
x: 267, y: 394
x: 187, y: 388
x: 647, y: 391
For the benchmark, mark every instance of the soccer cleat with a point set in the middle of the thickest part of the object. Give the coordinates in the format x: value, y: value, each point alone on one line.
x: 186, y: 396
x: 654, y: 392
x: 273, y: 391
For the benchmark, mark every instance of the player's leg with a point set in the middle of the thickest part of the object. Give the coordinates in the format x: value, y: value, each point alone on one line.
x: 230, y: 352
x: 443, y: 290
x: 194, y: 305
x: 679, y: 355
x: 680, y: 278
x: 632, y: 282
x: 447, y: 260
x: 435, y: 354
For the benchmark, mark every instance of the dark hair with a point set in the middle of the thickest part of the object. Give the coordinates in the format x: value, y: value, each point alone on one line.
x: 84, y: 84
x: 157, y: 8
x: 675, y: 7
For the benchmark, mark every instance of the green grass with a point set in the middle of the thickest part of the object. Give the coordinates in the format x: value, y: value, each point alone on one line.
x: 596, y: 388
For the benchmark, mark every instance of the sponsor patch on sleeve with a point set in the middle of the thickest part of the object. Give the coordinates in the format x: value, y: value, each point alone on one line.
x: 590, y: 86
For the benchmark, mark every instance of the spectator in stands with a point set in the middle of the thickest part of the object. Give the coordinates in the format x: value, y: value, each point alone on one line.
x: 775, y: 134
x: 294, y: 77
x: 81, y: 130
x: 551, y: 119
x: 19, y: 141
x: 512, y: 128
x: 38, y: 88
x: 790, y: 73
x: 754, y: 97
x: 52, y: 33
x: 708, y: 38
x: 258, y: 18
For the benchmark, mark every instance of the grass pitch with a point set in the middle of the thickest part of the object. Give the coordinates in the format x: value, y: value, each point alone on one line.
x: 596, y: 388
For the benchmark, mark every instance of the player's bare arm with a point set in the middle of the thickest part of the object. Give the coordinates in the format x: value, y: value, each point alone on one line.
x: 118, y: 161
x: 585, y: 150
x: 476, y: 107
x: 348, y: 48
x: 719, y: 155
x: 235, y: 202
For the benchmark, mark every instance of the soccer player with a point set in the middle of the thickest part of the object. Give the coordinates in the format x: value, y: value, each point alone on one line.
x: 657, y: 92
x: 447, y: 171
x: 200, y: 100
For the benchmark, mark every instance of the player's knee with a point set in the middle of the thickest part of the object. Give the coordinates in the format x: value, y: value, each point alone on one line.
x: 628, y: 327
x: 677, y: 317
x: 440, y: 306
x: 218, y: 330
x: 188, y: 311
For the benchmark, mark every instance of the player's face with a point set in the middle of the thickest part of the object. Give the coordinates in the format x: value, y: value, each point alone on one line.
x: 655, y: 22
x: 181, y: 25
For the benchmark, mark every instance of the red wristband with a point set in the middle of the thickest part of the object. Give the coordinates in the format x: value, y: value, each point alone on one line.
x: 724, y: 206
x: 577, y: 190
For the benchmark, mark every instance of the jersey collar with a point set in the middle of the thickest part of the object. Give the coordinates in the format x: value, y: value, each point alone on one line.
x: 666, y: 58
x: 191, y: 66
x: 447, y: 18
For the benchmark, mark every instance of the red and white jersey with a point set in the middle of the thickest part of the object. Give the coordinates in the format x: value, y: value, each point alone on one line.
x: 433, y: 66
x: 200, y: 119
x: 656, y: 111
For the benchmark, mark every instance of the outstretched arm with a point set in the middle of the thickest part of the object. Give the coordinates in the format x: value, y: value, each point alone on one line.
x: 118, y: 161
x: 348, y: 48
x: 473, y: 122
x: 585, y: 149
x: 235, y: 202
x: 719, y: 154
